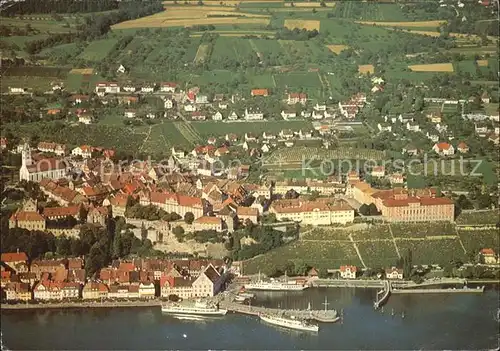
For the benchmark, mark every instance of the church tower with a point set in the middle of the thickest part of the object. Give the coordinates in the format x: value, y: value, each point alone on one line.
x: 26, y: 156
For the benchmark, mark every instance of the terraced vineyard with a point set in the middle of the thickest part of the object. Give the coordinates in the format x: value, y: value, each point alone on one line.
x: 423, y: 230
x: 439, y: 251
x: 188, y: 132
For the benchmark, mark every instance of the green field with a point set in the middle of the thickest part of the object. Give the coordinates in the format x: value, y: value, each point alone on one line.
x: 476, y: 240
x: 318, y: 254
x: 98, y: 50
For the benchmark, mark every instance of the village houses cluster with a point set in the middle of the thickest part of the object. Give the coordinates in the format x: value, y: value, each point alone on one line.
x: 65, y: 279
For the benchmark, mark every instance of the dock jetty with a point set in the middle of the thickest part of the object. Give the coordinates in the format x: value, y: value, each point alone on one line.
x: 383, y: 295
x: 328, y: 316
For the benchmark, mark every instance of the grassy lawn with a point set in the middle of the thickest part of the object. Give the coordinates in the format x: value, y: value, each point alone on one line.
x: 40, y: 84
x: 98, y: 50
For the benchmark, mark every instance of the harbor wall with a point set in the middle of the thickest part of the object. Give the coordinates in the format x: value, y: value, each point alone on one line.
x: 344, y: 283
x: 104, y: 304
x: 437, y: 291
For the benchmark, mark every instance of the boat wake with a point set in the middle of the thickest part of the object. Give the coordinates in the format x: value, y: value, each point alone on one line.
x: 190, y: 318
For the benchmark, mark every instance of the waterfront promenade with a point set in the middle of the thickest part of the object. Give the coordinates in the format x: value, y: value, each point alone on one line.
x: 81, y: 304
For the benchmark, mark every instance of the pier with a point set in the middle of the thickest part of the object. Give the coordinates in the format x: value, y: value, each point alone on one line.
x: 325, y: 316
x: 344, y: 283
x: 478, y: 290
x: 382, y: 295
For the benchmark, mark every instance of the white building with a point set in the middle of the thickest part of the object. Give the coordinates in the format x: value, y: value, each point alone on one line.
x: 348, y: 272
x: 251, y: 115
x: 217, y: 116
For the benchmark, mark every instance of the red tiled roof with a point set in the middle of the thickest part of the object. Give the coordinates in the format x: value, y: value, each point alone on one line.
x: 48, y: 164
x: 126, y: 266
x: 259, y: 92
x: 443, y: 146
x: 247, y: 211
x: 189, y: 201
x: 14, y: 257
x: 25, y: 216
x: 50, y: 212
x: 488, y: 252
x: 352, y: 268
x: 208, y: 220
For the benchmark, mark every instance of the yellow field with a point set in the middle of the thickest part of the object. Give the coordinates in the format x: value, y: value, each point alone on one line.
x: 309, y: 25
x: 83, y: 71
x: 308, y: 4
x: 404, y: 24
x: 337, y: 48
x: 432, y: 67
x: 218, y: 3
x: 201, y: 53
x: 482, y: 63
x: 366, y: 69
x: 198, y: 35
x: 179, y: 16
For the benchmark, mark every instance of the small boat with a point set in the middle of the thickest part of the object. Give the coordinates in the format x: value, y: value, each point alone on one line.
x: 240, y: 298
x: 392, y: 312
x: 290, y: 323
x: 246, y: 295
x: 403, y: 315
x: 199, y: 308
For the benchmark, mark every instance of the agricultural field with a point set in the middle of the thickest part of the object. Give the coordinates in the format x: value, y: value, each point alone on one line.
x: 298, y: 80
x: 423, y: 230
x: 337, y: 49
x: 34, y: 78
x: 419, y: 24
x: 179, y: 16
x: 378, y: 254
x: 425, y: 251
x: 211, y: 129
x: 480, y: 217
x: 378, y: 231
x: 479, y: 239
x: 482, y: 63
x: 202, y: 53
x: 432, y: 67
x: 364, y: 69
x: 309, y: 4
x: 302, y: 24
x: 42, y: 23
x: 231, y: 48
x: 327, y: 234
x: 98, y: 50
x: 317, y: 254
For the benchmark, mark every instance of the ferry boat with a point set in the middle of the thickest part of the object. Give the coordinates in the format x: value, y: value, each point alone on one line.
x: 199, y: 309
x: 275, y: 285
x: 290, y: 323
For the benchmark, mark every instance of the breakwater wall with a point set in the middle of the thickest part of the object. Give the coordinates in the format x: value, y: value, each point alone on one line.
x: 438, y: 291
x: 104, y: 304
x: 343, y: 283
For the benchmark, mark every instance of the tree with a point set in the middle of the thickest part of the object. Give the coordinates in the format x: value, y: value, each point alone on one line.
x: 117, y: 248
x: 364, y: 210
x: 189, y: 217
x: 179, y: 233
x: 144, y: 232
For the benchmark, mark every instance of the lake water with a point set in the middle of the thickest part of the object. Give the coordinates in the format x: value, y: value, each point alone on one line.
x: 446, y: 321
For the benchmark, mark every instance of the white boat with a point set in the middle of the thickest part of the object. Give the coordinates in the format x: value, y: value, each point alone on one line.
x: 246, y: 295
x: 289, y: 323
x: 239, y: 298
x: 275, y: 285
x: 199, y: 308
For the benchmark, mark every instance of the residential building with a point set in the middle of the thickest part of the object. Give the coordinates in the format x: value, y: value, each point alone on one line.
x: 288, y: 114
x: 208, y: 283
x: 488, y: 256
x: 324, y: 211
x: 147, y: 290
x: 168, y: 87
x: 178, y: 286
x: 85, y: 151
x: 201, y: 99
x: 130, y: 114
x: 207, y: 223
x: 348, y: 272
x: 295, y: 98
x: 18, y: 261
x: 17, y: 291
x: 396, y: 178
x: 29, y: 220
x: 107, y: 88
x: 95, y: 291
x: 394, y: 273
x: 378, y: 172
x: 168, y: 104
x: 249, y: 213
x: 49, y: 290
x: 98, y: 215
x: 217, y: 116
x: 251, y: 114
x: 85, y: 119
x: 444, y: 149
x: 259, y: 92
x: 462, y: 147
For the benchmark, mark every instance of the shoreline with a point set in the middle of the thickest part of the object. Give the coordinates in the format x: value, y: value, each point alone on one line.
x: 82, y: 304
